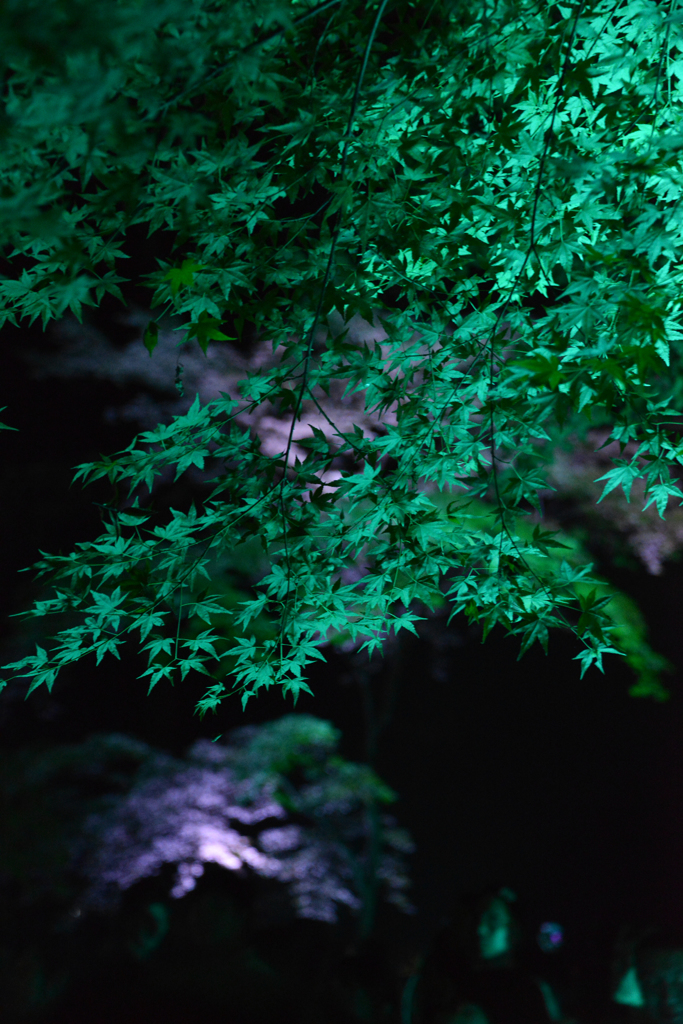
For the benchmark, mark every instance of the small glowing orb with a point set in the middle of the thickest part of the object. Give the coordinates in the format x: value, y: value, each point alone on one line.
x: 550, y: 936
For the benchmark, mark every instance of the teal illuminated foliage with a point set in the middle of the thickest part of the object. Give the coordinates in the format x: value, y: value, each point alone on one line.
x: 499, y: 181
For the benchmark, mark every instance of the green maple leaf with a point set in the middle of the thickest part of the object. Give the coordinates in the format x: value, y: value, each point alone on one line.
x: 206, y: 330
x: 151, y: 336
x: 183, y: 276
x: 623, y: 475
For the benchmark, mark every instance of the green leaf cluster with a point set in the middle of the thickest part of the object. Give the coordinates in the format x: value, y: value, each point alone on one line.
x: 500, y: 183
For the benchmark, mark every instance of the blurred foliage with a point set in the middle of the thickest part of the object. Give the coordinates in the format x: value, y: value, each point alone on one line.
x: 69, y: 817
x: 61, y: 804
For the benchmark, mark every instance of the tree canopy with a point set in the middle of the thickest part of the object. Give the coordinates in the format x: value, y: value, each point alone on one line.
x: 496, y: 185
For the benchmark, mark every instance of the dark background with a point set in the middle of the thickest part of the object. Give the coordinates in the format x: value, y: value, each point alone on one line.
x: 508, y: 772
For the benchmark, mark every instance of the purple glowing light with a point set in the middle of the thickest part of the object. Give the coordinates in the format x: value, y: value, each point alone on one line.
x: 550, y: 936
